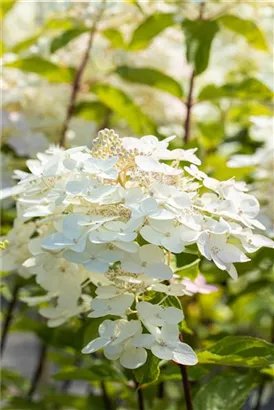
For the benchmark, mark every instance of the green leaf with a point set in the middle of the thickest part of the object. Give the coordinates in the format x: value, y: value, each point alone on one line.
x: 225, y: 392
x: 28, y: 42
x: 63, y: 39
x: 172, y: 372
x: 98, y: 372
x: 246, y: 28
x: 91, y: 110
x: 21, y: 403
x: 115, y: 38
x: 151, y: 77
x: 149, y: 29
x: 246, y: 89
x: 6, y: 6
x: 44, y: 68
x: 121, y: 104
x: 199, y: 36
x: 191, y: 271
x: 149, y: 372
x: 239, y: 351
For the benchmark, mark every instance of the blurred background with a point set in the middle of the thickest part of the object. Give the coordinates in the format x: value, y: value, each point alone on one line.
x: 200, y: 70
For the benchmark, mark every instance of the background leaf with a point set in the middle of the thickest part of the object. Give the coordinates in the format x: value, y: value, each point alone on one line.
x: 246, y: 28
x: 239, y: 351
x: 149, y: 29
x: 225, y: 392
x: 151, y: 77
x: 63, y: 39
x: 45, y: 68
x: 120, y: 103
x: 199, y: 36
x: 115, y: 38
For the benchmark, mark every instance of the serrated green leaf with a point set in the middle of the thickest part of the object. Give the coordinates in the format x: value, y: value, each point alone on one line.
x: 199, y: 36
x: 98, y: 372
x: 149, y: 372
x: 239, y: 351
x: 149, y: 29
x: 115, y: 38
x: 66, y: 37
x: 225, y: 392
x: 91, y: 110
x: 246, y: 28
x: 151, y: 77
x: 45, y: 68
x: 246, y: 89
x: 120, y: 103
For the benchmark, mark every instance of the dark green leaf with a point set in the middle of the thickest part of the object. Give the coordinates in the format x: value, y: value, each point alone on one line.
x: 246, y: 28
x: 63, y: 39
x: 91, y: 110
x: 121, y: 104
x: 149, y: 372
x: 149, y: 29
x: 21, y: 403
x: 239, y: 351
x: 199, y: 36
x: 247, y: 89
x: 44, y: 68
x: 151, y: 77
x: 115, y: 38
x: 98, y: 372
x: 225, y: 392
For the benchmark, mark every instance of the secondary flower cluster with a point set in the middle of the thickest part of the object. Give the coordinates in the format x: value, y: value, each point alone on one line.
x: 113, y: 215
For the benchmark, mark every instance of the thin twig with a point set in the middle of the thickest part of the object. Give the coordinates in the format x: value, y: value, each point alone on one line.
x: 186, y: 387
x: 107, y: 402
x: 9, y: 316
x: 189, y: 104
x: 140, y: 397
x: 38, y: 371
x: 79, y: 74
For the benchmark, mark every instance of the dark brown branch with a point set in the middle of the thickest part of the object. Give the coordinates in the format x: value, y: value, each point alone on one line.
x: 186, y: 387
x: 9, y: 316
x: 140, y: 397
x: 189, y: 104
x: 259, y: 399
x: 107, y: 402
x: 38, y: 371
x: 78, y: 76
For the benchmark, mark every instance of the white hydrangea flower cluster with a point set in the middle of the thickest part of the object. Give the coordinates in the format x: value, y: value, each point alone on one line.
x: 113, y: 215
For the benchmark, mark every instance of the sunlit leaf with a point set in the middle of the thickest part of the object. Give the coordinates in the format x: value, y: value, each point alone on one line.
x: 246, y: 89
x: 44, y: 68
x: 151, y: 77
x: 6, y: 6
x: 91, y: 110
x: 115, y: 38
x: 120, y: 103
x: 228, y: 391
x: 149, y: 29
x: 246, y: 28
x: 199, y: 36
x: 239, y: 351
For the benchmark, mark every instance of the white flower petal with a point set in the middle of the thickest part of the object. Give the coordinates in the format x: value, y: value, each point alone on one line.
x: 133, y: 357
